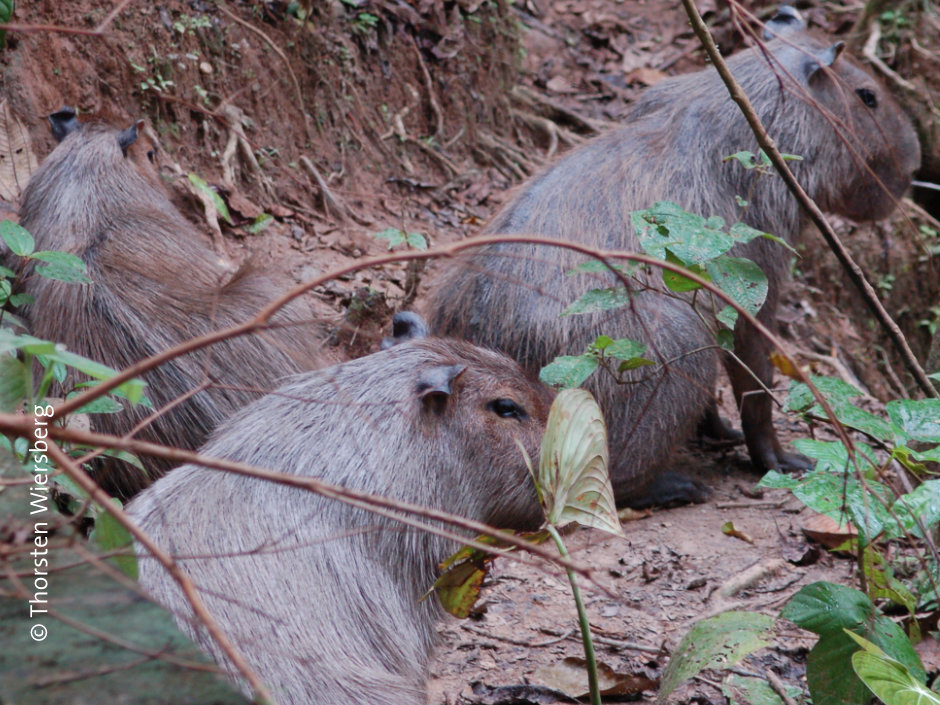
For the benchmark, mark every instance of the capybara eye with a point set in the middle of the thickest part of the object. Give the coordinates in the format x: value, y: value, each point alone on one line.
x: 868, y: 97
x: 508, y: 409
x: 152, y: 155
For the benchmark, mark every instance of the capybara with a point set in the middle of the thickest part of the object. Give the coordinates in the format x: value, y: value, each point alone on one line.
x: 858, y: 153
x: 155, y: 284
x: 323, y: 598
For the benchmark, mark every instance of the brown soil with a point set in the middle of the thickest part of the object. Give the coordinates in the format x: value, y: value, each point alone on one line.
x: 420, y: 116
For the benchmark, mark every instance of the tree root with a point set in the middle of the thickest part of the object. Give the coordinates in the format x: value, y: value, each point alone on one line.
x: 239, y: 144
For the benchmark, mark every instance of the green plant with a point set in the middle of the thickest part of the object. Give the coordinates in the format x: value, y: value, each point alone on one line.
x: 185, y: 24
x: 933, y: 323
x: 364, y: 23
x: 6, y: 15
x: 29, y: 367
x: 396, y: 237
x: 670, y: 234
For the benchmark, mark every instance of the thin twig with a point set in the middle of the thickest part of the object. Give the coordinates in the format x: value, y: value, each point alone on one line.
x: 22, y: 425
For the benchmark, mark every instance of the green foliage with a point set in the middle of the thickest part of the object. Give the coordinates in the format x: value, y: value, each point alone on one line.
x: 395, y: 237
x: 760, y: 162
x: 698, y: 244
x: 30, y: 366
x: 717, y: 642
x: 831, y: 611
x: 260, y: 223
x: 743, y: 690
x: 214, y: 197
x: 6, y: 16
x: 889, y: 679
x: 572, y: 370
x: 109, y: 535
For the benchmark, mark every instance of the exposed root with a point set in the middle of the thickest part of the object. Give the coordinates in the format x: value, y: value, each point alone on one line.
x: 509, y: 155
x: 554, y: 132
x: 332, y: 205
x: 397, y: 129
x: 558, y: 112
x: 432, y: 97
x: 239, y: 144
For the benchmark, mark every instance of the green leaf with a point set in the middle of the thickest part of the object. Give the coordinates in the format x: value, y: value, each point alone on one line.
x: 778, y: 480
x: 838, y: 393
x: 6, y: 271
x: 393, y: 235
x: 21, y: 300
x: 831, y: 456
x: 728, y: 316
x: 834, y: 495
x: 110, y: 535
x: 101, y: 405
x: 917, y: 419
x: 829, y: 610
x: 15, y: 379
x: 50, y: 353
x: 417, y: 241
x: 678, y: 283
x: 826, y: 609
x: 596, y: 300
x: 64, y: 271
x: 568, y: 370
x: 835, y: 390
x: 745, y: 158
x: 741, y: 279
x: 717, y: 642
x: 216, y: 199
x: 625, y: 349
x: 742, y: 690
x: 690, y: 237
x: 890, y: 680
x: 725, y: 339
x: 260, y: 223
x: 399, y: 237
x: 922, y: 503
x: 595, y: 266
x: 573, y: 479
x: 17, y: 238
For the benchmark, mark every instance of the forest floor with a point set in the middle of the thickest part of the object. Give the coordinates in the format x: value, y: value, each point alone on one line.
x: 420, y: 116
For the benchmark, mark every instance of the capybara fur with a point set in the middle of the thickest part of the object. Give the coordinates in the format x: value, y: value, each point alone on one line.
x: 323, y: 598
x: 858, y: 153
x: 155, y: 283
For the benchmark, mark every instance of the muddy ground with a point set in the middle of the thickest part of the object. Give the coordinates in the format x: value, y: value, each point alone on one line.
x: 420, y: 116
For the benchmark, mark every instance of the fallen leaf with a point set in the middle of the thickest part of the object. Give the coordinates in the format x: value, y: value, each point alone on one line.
x: 570, y: 677
x: 827, y: 531
x: 729, y: 530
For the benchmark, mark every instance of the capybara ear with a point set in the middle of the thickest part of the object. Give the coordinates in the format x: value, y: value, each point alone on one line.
x: 436, y: 384
x: 786, y: 19
x: 824, y: 58
x: 127, y: 137
x: 63, y: 123
x: 406, y: 325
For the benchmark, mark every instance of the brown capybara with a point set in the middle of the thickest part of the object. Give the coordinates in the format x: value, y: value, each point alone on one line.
x: 858, y: 153
x: 155, y: 283
x: 322, y: 598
